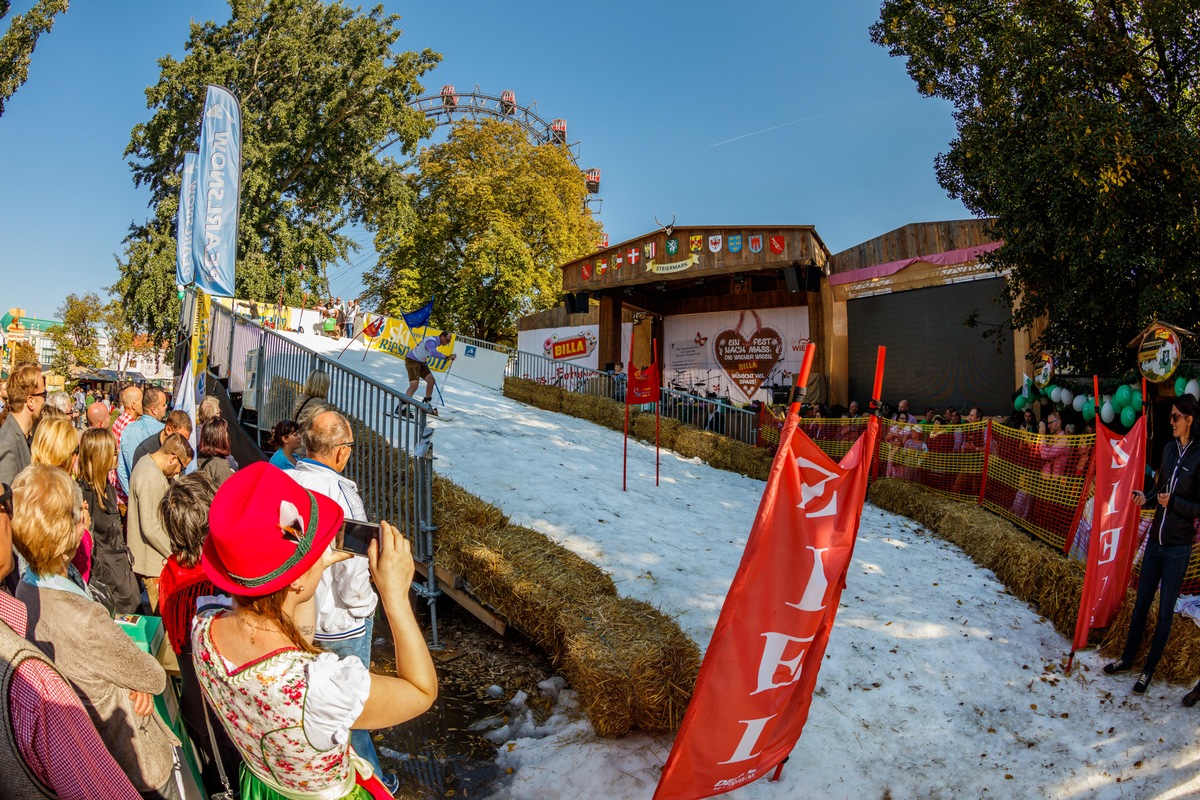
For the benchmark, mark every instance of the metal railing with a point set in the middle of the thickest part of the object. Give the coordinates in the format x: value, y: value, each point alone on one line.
x: 392, y: 461
x: 715, y: 414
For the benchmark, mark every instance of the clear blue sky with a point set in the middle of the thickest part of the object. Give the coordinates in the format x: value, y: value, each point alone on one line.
x: 832, y: 132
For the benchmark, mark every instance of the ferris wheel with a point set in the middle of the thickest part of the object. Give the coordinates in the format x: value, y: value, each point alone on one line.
x: 449, y: 106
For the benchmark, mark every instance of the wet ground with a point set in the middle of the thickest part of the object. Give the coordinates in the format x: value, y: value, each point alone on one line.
x: 437, y: 755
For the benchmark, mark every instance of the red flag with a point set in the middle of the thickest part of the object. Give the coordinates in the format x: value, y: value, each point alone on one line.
x: 372, y: 330
x: 755, y: 685
x: 1120, y: 468
x: 643, y: 385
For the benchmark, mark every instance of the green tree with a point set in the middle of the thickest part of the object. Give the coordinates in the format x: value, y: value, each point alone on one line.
x: 124, y: 344
x: 18, y: 42
x: 1077, y: 131
x: 24, y: 353
x: 323, y: 93
x: 77, y: 339
x: 498, y: 214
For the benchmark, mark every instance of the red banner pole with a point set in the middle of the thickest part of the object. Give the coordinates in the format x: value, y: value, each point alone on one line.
x: 1096, y: 393
x: 874, y: 405
x: 987, y: 451
x: 801, y: 387
x: 654, y: 349
x: 625, y: 447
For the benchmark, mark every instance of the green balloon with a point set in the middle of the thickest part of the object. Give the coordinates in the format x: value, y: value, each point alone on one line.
x: 1180, y: 386
x: 1020, y: 402
x: 1128, y: 417
x: 1122, y: 396
x: 179, y: 294
x: 1089, y: 410
x: 1135, y: 402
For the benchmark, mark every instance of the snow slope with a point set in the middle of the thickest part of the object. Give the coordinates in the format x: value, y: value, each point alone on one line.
x: 937, y: 683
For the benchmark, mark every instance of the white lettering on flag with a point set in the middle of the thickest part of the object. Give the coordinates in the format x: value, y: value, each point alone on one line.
x: 754, y: 729
x: 814, y: 591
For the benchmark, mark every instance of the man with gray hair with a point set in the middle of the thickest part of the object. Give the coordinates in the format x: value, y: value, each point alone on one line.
x: 345, y: 601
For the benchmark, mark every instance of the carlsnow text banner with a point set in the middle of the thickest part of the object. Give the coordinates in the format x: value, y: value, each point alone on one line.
x: 214, y: 231
x: 1120, y: 469
x: 185, y: 271
x: 755, y: 686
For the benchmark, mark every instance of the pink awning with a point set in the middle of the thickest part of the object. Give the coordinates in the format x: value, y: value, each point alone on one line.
x: 947, y: 259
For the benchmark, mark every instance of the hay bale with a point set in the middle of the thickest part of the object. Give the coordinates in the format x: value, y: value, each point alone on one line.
x: 1037, y: 574
x: 631, y: 665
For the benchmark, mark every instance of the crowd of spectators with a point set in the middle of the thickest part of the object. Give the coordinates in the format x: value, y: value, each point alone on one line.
x: 98, y: 517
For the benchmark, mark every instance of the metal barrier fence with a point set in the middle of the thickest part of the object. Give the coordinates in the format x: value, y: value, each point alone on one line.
x: 392, y: 460
x: 716, y: 415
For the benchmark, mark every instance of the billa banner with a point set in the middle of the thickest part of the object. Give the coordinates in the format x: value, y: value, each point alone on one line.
x: 214, y: 232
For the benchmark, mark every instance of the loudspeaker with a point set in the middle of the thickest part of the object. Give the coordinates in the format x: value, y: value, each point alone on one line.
x: 812, y: 279
x: 791, y: 276
x: 577, y: 302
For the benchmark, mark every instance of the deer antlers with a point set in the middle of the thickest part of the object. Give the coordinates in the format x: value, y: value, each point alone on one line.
x: 667, y: 229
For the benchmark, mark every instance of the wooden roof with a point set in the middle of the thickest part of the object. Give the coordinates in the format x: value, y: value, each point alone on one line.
x: 618, y: 267
x: 913, y: 240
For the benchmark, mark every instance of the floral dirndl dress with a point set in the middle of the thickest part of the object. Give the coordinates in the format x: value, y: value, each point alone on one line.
x: 289, y: 714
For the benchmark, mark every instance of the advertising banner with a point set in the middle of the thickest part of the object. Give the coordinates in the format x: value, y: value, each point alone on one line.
x: 735, y: 354
x: 185, y: 271
x: 214, y: 232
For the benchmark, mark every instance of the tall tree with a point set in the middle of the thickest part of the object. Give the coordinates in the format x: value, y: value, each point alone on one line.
x: 77, y: 339
x: 17, y: 43
x: 1078, y: 132
x: 323, y: 93
x: 498, y: 215
x: 124, y: 345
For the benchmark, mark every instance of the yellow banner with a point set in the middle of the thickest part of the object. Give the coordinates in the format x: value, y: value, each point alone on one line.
x: 677, y: 266
x: 200, y: 334
x: 396, y: 339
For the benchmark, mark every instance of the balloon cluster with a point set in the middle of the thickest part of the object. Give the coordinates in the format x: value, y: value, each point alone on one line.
x: 1124, y: 404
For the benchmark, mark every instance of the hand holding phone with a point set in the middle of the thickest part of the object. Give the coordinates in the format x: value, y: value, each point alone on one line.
x: 356, y: 537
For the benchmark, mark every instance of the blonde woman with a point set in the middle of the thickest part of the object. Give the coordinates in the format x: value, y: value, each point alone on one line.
x: 56, y: 444
x: 112, y: 579
x: 312, y: 400
x: 115, y: 680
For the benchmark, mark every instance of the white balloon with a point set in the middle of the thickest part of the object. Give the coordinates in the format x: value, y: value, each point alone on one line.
x: 1056, y: 395
x: 1193, y: 388
x: 1106, y: 398
x: 1079, y: 402
x: 1067, y: 398
x: 1108, y: 413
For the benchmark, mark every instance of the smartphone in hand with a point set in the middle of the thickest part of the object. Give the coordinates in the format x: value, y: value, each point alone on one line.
x: 356, y: 536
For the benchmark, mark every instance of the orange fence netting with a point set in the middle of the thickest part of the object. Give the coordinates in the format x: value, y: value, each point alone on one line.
x: 1042, y: 484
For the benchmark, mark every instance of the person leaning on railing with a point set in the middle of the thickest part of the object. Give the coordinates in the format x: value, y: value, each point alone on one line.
x: 1176, y: 499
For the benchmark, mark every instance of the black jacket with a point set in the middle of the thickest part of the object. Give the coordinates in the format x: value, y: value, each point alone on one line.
x: 1174, y: 524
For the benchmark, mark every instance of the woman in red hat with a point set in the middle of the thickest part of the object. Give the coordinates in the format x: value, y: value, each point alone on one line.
x: 287, y: 706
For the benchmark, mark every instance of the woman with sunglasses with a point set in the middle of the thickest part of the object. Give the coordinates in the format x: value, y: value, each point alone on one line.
x: 1176, y: 499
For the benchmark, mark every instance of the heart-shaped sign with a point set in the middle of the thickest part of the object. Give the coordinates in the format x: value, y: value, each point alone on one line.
x: 748, y: 361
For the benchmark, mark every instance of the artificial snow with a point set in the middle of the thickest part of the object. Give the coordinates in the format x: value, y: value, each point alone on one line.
x: 936, y: 683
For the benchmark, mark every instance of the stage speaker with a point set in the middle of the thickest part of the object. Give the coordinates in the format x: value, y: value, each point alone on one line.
x: 812, y: 278
x: 792, y: 277
x: 577, y: 302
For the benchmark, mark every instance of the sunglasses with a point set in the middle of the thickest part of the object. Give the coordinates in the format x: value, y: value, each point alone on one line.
x: 1176, y: 416
x: 42, y: 393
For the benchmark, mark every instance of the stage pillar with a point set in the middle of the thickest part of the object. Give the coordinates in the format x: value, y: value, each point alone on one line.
x: 608, y: 342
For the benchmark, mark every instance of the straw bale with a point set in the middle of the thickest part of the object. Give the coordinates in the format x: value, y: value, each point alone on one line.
x: 631, y: 664
x: 695, y: 443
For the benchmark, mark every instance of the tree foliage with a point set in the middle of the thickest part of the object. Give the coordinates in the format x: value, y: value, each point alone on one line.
x: 124, y: 345
x: 18, y: 42
x: 1077, y: 131
x: 77, y: 339
x: 323, y: 93
x: 24, y: 353
x: 498, y: 214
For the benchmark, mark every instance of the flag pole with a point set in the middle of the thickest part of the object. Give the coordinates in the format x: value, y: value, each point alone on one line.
x: 654, y: 350
x: 625, y: 446
x: 801, y: 386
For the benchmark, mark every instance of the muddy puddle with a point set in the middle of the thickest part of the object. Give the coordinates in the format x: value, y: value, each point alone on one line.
x: 437, y: 755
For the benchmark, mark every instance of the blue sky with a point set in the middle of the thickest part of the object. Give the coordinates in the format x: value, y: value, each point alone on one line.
x: 759, y: 113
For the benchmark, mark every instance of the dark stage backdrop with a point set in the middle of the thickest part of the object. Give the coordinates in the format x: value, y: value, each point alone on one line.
x: 932, y: 360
